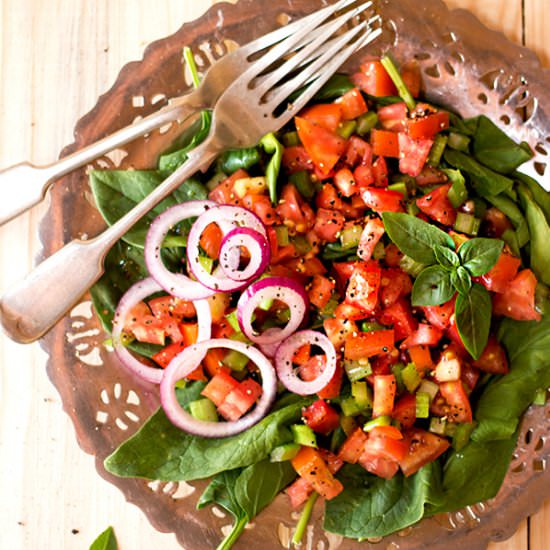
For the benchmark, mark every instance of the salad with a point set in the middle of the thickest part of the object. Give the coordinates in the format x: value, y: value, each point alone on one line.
x: 356, y: 309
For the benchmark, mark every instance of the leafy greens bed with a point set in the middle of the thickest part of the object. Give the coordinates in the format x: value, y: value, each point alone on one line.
x: 244, y: 479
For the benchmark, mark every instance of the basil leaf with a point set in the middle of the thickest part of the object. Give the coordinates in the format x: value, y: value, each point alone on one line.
x: 105, y: 541
x: 414, y: 237
x: 486, y: 181
x: 432, y: 287
x: 540, y: 196
x: 236, y: 159
x: 479, y: 255
x: 461, y: 281
x: 473, y: 319
x: 272, y: 146
x: 500, y: 407
x: 493, y: 148
x: 370, y: 506
x: 446, y: 257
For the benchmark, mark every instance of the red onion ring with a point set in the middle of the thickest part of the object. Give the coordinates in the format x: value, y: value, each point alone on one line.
x: 177, y: 284
x: 186, y: 361
x: 288, y: 375
x: 259, y: 251
x: 221, y: 215
x: 280, y: 288
x: 135, y: 294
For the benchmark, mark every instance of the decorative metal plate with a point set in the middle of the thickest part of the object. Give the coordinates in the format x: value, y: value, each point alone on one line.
x: 464, y: 66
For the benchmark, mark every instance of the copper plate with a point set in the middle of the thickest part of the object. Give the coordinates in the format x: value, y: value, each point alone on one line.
x: 465, y: 66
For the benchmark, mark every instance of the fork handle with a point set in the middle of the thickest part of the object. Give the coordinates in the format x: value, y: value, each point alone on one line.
x: 31, y: 307
x: 24, y: 185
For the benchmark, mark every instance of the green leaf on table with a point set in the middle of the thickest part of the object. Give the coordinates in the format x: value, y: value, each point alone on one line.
x: 370, y: 506
x: 461, y: 280
x: 178, y: 456
x: 493, y: 148
x: 415, y: 237
x: 485, y: 181
x: 473, y: 319
x: 504, y: 401
x: 446, y: 257
x: 105, y: 541
x: 432, y: 287
x: 479, y: 255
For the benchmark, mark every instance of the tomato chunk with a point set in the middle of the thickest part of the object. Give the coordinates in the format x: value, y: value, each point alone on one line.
x: 493, y: 358
x: 328, y: 224
x: 437, y: 205
x: 421, y: 357
x: 379, y: 444
x: 518, y: 302
x: 239, y: 400
x: 374, y: 80
x: 399, y: 315
x: 353, y: 447
x: 499, y: 277
x: 219, y: 387
x: 320, y: 291
x: 363, y: 286
x: 394, y: 284
x: 372, y: 233
x: 326, y: 115
x: 384, y: 395
x: 426, y: 127
x: 459, y: 408
x: 404, y: 410
x: 422, y: 447
x: 393, y: 117
x: 352, y: 104
x: 384, y: 143
x: 413, y: 154
x: 367, y: 344
x: 382, y: 200
x: 321, y: 417
x: 425, y: 335
x: 378, y: 466
x: 345, y: 182
x: 440, y: 316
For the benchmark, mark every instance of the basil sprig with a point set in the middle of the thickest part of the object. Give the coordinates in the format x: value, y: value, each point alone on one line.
x: 448, y: 271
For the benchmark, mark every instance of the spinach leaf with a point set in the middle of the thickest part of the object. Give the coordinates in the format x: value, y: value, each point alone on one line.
x: 370, y: 506
x: 540, y: 235
x: 236, y: 159
x: 511, y: 210
x: 501, y: 405
x: 473, y: 319
x: 245, y: 492
x: 479, y: 255
x: 493, y: 148
x: 445, y: 257
x: 105, y: 541
x: 177, y: 456
x: 461, y: 280
x: 541, y: 197
x: 335, y: 251
x: 414, y: 237
x: 463, y: 126
x: 473, y: 474
x: 486, y: 181
x: 273, y: 147
x: 432, y: 287
x: 335, y: 87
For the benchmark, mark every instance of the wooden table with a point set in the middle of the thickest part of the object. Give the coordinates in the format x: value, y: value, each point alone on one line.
x: 56, y: 57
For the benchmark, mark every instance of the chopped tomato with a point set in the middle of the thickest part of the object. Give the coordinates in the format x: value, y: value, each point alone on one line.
x: 298, y: 492
x: 326, y: 115
x: 374, y: 80
x: 262, y: 207
x: 343, y: 271
x: 328, y: 198
x: 431, y: 176
x: 413, y: 154
x: 219, y: 387
x: 469, y: 376
x: 323, y: 146
x: 308, y: 267
x: 320, y: 291
x: 372, y: 233
x: 145, y: 326
x: 353, y: 447
x: 384, y: 395
x: 166, y: 354
x: 438, y: 206
x: 223, y: 193
x: 380, y: 172
x: 380, y: 445
x: 493, y: 358
x: 350, y: 311
x: 296, y: 159
x: 352, y: 104
x: 499, y: 277
x: 211, y: 240
x: 393, y: 117
x: 239, y: 400
x: 358, y: 152
x: 222, y: 329
x: 440, y: 316
x: 399, y: 315
x: 338, y: 330
x: 313, y: 368
x: 459, y: 408
x: 518, y: 302
x: 495, y: 222
x: 382, y: 200
x: 426, y: 127
x: 363, y: 286
x: 384, y: 143
x: 345, y: 182
x: 425, y: 335
x: 404, y: 410
x: 213, y: 361
x: 366, y: 344
x: 321, y: 417
x: 449, y: 367
x: 294, y: 211
x: 378, y: 466
x: 386, y: 431
x: 302, y: 354
x: 394, y: 284
x: 421, y: 357
x: 393, y: 255
x: 422, y: 447
x: 309, y: 464
x: 328, y: 224
x: 332, y: 389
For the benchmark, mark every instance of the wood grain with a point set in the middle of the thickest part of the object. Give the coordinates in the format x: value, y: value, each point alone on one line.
x: 56, y: 57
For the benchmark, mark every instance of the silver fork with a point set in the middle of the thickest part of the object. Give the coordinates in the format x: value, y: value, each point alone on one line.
x: 242, y: 116
x: 32, y: 182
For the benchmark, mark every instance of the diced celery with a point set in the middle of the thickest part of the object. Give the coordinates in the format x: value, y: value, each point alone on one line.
x: 282, y: 234
x: 350, y: 236
x: 436, y: 152
x: 467, y: 223
x: 350, y: 407
x: 402, y: 89
x: 410, y: 377
x: 511, y: 239
x: 348, y: 424
x: 379, y: 251
x: 347, y: 128
x: 255, y: 185
x: 284, y: 452
x: 303, y: 435
x: 371, y: 326
x: 203, y: 409
x: 397, y: 371
x: 301, y: 244
x: 461, y: 435
x: 438, y: 425
x: 233, y: 321
x: 303, y: 183
x: 401, y: 187
x: 457, y: 141
x: 422, y: 405
x: 290, y: 139
x: 378, y: 421
x: 540, y: 397
x: 331, y: 305
x: 366, y: 122
x: 240, y: 337
x: 266, y: 304
x: 235, y: 360
x: 357, y: 370
x: 428, y: 387
x: 410, y: 266
x: 458, y: 194
x: 206, y: 262
x: 362, y: 394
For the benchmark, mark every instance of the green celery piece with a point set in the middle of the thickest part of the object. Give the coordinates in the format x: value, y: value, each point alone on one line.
x: 410, y: 377
x: 284, y: 452
x: 304, y: 435
x: 366, y: 122
x: 402, y: 89
x: 203, y: 409
x: 458, y: 141
x: 376, y: 422
x: 350, y: 407
x: 362, y: 394
x: 304, y: 519
x: 422, y: 405
x: 436, y: 152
